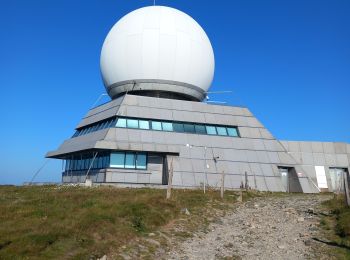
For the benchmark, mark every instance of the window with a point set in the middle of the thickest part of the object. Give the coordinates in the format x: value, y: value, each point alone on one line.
x: 141, y: 161
x: 167, y: 126
x: 156, y: 125
x: 130, y: 160
x: 143, y: 124
x: 200, y: 129
x: 211, y: 130
x: 189, y: 128
x: 132, y: 123
x: 221, y: 130
x: 117, y: 159
x: 178, y: 127
x: 121, y: 122
x: 232, y: 131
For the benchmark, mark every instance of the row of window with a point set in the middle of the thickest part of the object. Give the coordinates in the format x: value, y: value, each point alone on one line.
x: 177, y: 127
x: 160, y: 126
x: 84, y: 161
x: 126, y: 160
x: 95, y: 127
x: 129, y: 160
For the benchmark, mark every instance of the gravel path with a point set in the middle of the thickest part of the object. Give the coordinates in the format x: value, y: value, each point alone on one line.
x: 278, y: 227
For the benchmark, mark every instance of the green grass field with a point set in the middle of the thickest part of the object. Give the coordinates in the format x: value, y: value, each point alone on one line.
x: 62, y: 222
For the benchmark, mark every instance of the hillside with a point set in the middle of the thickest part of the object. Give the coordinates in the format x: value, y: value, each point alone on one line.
x: 69, y: 222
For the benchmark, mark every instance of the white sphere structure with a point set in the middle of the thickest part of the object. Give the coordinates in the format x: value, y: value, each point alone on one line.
x: 157, y: 51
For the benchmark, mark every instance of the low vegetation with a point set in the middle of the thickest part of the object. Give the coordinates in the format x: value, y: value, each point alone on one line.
x: 65, y: 222
x: 336, y: 226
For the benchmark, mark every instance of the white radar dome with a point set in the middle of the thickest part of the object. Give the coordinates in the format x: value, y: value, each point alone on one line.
x: 157, y: 51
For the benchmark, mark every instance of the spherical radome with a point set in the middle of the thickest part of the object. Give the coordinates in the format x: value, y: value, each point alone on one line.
x: 157, y: 49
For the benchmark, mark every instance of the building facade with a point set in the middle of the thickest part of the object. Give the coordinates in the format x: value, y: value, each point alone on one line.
x: 135, y: 140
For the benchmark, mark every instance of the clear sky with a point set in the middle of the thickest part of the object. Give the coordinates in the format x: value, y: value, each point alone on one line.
x: 288, y: 61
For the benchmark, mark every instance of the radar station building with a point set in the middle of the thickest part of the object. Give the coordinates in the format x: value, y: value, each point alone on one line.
x: 157, y: 65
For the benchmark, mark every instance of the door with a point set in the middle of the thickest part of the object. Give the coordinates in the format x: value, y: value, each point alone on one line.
x: 284, y: 177
x: 337, y: 179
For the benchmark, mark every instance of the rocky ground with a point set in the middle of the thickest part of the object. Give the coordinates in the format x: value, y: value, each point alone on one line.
x: 275, y: 227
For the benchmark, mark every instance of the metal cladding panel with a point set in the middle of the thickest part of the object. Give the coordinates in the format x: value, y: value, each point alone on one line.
x: 273, y: 157
x: 104, y: 107
x: 305, y: 147
x: 98, y: 117
x: 265, y: 133
x: 307, y: 158
x: 306, y: 187
x: 319, y: 159
x: 274, y: 184
x: 340, y: 148
x: 317, y: 147
x: 188, y: 179
x: 260, y: 183
x: 214, y: 180
x: 84, y: 142
x: 342, y: 160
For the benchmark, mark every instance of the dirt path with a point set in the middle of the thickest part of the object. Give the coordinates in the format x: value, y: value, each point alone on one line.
x: 278, y: 227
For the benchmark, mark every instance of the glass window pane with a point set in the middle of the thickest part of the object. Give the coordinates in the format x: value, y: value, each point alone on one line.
x: 211, y: 130
x: 232, y: 131
x: 156, y: 125
x: 189, y: 128
x: 117, y: 159
x: 143, y: 124
x: 221, y: 130
x: 141, y: 161
x: 130, y: 161
x: 200, y: 129
x: 121, y: 122
x: 103, y: 125
x: 178, y: 127
x: 167, y: 126
x: 132, y: 123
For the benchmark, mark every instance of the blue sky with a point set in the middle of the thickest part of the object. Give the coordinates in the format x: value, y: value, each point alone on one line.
x: 288, y: 61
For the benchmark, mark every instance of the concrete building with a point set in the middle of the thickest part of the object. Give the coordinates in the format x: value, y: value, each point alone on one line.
x: 157, y: 65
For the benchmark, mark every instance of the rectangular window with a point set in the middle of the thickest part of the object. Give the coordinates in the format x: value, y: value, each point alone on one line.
x: 132, y: 123
x: 121, y: 122
x: 189, y: 128
x: 143, y: 124
x: 221, y: 130
x: 167, y: 126
x: 211, y: 130
x: 232, y: 131
x: 156, y: 125
x: 178, y: 127
x: 117, y: 159
x: 200, y: 129
x: 130, y: 161
x: 141, y: 162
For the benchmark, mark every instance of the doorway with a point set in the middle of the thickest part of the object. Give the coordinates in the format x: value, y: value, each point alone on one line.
x: 290, y: 179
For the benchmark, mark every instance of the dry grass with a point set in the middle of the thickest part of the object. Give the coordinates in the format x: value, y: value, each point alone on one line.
x: 336, y: 226
x: 75, y: 222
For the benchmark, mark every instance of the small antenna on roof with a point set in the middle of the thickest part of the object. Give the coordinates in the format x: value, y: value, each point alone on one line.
x: 216, y: 92
x: 154, y: 2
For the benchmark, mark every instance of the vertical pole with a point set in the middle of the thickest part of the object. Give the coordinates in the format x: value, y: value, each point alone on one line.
x: 205, y: 168
x: 346, y: 188
x: 170, y: 180
x: 246, y: 184
x: 222, y: 184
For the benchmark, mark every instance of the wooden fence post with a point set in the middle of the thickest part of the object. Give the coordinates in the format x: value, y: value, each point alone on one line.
x: 170, y: 180
x: 222, y: 184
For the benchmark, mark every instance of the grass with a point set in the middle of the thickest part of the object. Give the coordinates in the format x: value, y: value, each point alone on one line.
x: 65, y: 222
x: 336, y: 226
